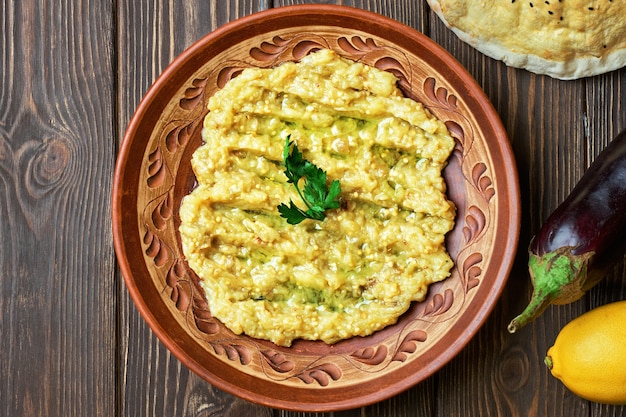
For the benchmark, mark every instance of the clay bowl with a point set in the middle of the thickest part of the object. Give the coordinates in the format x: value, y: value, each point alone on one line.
x: 153, y: 174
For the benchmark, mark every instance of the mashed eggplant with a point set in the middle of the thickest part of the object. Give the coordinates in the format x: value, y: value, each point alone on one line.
x: 359, y: 269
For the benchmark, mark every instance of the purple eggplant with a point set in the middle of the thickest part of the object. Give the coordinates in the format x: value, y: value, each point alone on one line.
x: 582, y: 238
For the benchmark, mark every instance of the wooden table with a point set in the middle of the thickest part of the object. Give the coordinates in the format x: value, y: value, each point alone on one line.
x: 72, y: 342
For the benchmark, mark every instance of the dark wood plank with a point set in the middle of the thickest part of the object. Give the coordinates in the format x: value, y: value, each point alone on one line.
x: 407, y: 12
x: 152, y: 381
x: 57, y: 148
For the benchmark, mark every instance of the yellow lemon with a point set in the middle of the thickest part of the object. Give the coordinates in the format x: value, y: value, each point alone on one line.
x: 589, y: 354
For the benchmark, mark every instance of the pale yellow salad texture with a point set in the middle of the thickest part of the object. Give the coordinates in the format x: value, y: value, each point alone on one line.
x: 359, y: 269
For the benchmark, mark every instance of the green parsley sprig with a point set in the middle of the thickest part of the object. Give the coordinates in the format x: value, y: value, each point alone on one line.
x: 317, y: 195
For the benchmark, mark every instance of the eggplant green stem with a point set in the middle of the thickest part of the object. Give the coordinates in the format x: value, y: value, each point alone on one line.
x: 558, y: 277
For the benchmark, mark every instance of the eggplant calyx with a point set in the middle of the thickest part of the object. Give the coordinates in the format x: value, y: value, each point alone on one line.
x: 558, y: 277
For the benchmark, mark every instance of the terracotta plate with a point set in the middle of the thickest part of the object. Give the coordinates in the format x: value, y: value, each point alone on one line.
x: 153, y: 173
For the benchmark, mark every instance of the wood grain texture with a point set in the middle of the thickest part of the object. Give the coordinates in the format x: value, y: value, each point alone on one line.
x: 410, y: 13
x: 57, y: 149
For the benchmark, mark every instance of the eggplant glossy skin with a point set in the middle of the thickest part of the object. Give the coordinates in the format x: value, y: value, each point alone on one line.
x: 582, y: 238
x: 593, y: 217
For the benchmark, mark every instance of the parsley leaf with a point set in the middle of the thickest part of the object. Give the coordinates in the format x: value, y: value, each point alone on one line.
x: 316, y: 194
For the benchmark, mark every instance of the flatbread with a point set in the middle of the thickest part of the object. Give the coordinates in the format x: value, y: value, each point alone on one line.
x: 565, y: 39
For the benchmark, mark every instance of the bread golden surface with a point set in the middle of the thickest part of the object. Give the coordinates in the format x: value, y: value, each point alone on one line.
x: 565, y: 39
